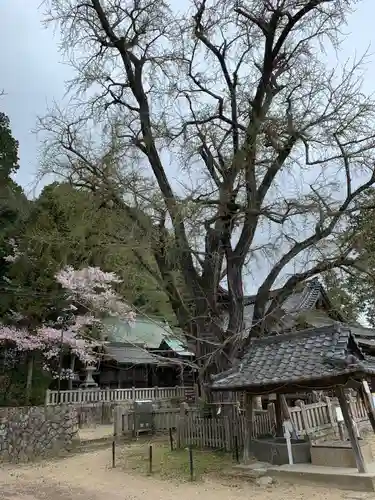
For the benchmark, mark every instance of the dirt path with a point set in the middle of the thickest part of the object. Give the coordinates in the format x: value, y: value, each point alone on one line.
x: 88, y: 477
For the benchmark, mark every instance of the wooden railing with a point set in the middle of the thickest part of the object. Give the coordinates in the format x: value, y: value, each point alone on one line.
x: 316, y: 417
x: 223, y: 432
x: 80, y: 396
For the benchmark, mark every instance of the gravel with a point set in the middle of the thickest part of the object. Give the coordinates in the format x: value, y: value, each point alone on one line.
x: 89, y: 477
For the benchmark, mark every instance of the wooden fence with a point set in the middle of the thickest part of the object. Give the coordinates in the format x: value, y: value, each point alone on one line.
x: 316, y: 417
x: 79, y: 396
x: 93, y: 414
x: 163, y: 419
x: 222, y: 432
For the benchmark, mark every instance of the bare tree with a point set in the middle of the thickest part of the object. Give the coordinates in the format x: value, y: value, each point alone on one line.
x: 272, y: 148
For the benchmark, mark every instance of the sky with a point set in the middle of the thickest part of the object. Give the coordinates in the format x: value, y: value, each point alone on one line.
x: 33, y: 76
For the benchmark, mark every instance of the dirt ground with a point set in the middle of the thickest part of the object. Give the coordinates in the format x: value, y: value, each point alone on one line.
x: 89, y: 477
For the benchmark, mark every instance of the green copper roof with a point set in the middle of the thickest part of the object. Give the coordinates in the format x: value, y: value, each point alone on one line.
x: 178, y: 347
x: 147, y: 332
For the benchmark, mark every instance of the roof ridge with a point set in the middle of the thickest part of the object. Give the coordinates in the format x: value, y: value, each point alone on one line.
x: 299, y: 333
x: 310, y: 294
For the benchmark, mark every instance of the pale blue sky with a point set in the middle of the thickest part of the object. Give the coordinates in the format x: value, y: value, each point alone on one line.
x: 32, y: 75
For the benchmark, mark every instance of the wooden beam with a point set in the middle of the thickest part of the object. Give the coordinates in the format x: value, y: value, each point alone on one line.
x: 352, y: 434
x: 367, y: 403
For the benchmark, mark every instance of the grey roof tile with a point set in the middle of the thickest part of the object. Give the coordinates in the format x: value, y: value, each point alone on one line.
x: 130, y: 354
x: 298, y: 357
x: 299, y: 301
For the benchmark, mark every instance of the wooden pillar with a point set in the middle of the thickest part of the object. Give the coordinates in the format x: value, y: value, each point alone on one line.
x: 352, y: 434
x: 248, y: 427
x: 279, y: 416
x: 367, y: 403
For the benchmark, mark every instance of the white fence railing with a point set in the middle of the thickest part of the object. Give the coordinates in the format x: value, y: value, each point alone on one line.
x: 79, y: 396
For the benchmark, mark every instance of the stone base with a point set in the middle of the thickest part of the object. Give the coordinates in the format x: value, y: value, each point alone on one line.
x: 275, y: 451
x: 334, y: 477
x: 338, y: 454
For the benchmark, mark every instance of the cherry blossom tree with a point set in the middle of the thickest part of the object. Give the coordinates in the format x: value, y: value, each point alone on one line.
x: 90, y: 289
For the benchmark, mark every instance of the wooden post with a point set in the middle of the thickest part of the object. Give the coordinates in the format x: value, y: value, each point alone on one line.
x: 287, y: 415
x: 248, y: 430
x: 279, y: 416
x: 271, y: 414
x: 228, y: 434
x: 46, y: 401
x: 171, y: 438
x: 113, y: 453
x: 150, y: 459
x: 331, y: 416
x: 182, y: 422
x: 352, y: 407
x: 354, y: 413
x: 367, y: 403
x: 352, y: 434
x: 236, y: 451
x: 191, y: 463
x: 305, y: 420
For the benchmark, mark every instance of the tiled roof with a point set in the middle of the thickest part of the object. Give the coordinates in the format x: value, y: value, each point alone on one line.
x: 130, y: 354
x: 147, y: 332
x: 299, y: 301
x: 295, y: 358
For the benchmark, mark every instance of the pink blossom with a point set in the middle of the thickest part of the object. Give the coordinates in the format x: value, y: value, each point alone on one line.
x: 70, y: 337
x: 21, y: 338
x: 93, y: 287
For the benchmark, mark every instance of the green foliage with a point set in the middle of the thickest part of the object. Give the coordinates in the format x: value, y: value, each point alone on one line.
x: 27, y: 286
x: 13, y: 381
x: 13, y: 202
x: 342, y: 300
x: 14, y: 206
x: 9, y: 150
x: 66, y: 226
x: 353, y: 290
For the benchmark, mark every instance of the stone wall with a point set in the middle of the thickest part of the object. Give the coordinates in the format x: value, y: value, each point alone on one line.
x: 33, y: 432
